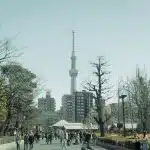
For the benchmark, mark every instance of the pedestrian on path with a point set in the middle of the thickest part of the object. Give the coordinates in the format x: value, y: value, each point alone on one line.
x: 61, y: 135
x: 31, y: 139
x: 18, y: 140
x: 144, y: 141
x: 64, y: 140
x: 26, y: 141
x: 50, y: 137
x: 94, y: 138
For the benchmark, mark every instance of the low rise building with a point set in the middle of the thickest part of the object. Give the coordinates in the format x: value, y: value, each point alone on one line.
x: 48, y: 103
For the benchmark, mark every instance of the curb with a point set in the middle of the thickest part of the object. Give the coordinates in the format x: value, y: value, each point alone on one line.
x: 111, y: 147
x: 9, y: 146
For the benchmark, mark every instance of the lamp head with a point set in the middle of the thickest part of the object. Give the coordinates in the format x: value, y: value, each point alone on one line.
x: 122, y: 96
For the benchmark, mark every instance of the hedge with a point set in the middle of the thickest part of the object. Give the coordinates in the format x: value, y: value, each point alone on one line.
x: 126, y: 144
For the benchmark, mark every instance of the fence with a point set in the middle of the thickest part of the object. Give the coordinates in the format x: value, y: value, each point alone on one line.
x: 6, y: 139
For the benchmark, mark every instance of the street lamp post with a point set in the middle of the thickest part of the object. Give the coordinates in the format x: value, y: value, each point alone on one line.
x: 123, y: 112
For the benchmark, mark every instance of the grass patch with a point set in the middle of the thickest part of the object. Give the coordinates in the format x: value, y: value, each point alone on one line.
x: 116, y: 137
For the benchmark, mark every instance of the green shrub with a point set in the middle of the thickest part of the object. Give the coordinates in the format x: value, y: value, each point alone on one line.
x: 126, y: 144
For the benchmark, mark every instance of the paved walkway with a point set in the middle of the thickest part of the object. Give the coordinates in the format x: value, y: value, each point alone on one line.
x: 55, y: 146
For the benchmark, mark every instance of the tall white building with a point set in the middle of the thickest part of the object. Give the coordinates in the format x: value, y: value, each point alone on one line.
x: 73, y: 71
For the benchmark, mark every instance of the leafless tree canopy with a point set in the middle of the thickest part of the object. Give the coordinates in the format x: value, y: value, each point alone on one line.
x: 101, y: 90
x: 7, y: 50
x: 138, y: 98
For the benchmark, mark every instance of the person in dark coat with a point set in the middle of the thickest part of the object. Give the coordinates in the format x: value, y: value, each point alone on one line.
x: 81, y: 136
x: 87, y: 141
x: 26, y: 141
x: 31, y: 139
x: 87, y: 137
x: 50, y: 137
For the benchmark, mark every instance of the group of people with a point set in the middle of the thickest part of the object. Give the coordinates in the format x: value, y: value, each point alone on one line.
x: 29, y: 139
x: 66, y: 138
x: 75, y: 138
x: 49, y: 137
x: 141, y: 142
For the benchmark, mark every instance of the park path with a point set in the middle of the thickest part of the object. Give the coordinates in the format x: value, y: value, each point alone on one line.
x: 55, y: 146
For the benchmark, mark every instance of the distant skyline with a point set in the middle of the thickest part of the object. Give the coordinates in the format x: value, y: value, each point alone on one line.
x: 118, y: 30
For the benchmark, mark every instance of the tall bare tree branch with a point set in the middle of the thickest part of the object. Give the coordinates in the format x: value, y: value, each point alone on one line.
x: 100, y: 89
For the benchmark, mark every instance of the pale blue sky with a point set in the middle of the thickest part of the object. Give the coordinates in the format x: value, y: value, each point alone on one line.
x: 117, y: 29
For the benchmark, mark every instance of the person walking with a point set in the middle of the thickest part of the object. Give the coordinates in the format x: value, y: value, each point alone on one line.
x: 55, y: 135
x: 31, y: 139
x: 94, y: 138
x: 18, y: 140
x: 81, y: 136
x: 61, y: 135
x: 87, y: 139
x: 50, y: 137
x: 36, y: 137
x: 64, y: 139
x: 145, y: 145
x: 26, y: 141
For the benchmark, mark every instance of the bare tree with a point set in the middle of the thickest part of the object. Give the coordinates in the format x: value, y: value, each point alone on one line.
x: 138, y: 90
x: 130, y: 110
x: 7, y: 50
x: 101, y: 91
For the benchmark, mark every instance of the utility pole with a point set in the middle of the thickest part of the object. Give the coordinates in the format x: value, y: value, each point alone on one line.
x: 123, y: 112
x: 118, y: 106
x: 100, y: 101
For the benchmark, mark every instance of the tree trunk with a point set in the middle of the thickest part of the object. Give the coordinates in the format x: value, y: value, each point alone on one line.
x: 144, y: 126
x: 17, y: 124
x: 102, y: 129
x: 101, y: 126
x: 6, y: 129
x: 5, y: 124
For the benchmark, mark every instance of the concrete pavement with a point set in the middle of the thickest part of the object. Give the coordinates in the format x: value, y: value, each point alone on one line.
x: 55, y: 146
x: 9, y: 146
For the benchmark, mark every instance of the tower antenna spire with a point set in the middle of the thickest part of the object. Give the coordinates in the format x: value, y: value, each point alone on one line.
x: 73, y: 38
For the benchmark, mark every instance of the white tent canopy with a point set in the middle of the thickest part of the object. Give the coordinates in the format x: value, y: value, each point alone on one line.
x: 79, y: 126
x: 72, y: 126
x: 60, y: 123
